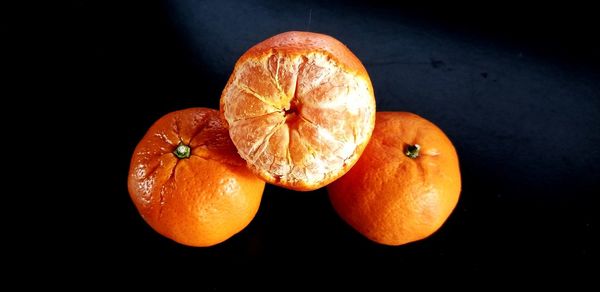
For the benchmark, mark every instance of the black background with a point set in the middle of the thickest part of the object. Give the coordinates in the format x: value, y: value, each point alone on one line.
x: 516, y: 88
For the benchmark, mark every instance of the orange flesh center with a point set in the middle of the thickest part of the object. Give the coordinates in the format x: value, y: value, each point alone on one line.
x: 297, y: 118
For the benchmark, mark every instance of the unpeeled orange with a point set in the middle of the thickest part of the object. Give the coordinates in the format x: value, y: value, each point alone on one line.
x: 188, y: 182
x: 405, y: 185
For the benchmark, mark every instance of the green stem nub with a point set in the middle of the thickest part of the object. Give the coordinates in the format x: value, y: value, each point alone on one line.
x: 182, y: 151
x: 412, y: 151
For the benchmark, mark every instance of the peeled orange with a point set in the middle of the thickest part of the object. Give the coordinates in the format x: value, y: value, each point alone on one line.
x: 300, y: 109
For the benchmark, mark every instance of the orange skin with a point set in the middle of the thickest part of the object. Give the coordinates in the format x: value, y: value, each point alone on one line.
x: 300, y: 108
x: 204, y: 196
x: 392, y: 198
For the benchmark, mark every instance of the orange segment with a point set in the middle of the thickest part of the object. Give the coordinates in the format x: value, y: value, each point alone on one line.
x: 250, y: 104
x: 253, y: 133
x: 300, y: 109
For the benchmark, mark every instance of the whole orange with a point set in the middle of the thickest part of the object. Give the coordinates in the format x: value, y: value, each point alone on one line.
x: 404, y: 186
x: 300, y: 108
x: 188, y: 182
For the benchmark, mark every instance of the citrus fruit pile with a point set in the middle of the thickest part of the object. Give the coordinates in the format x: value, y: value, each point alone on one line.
x: 299, y: 112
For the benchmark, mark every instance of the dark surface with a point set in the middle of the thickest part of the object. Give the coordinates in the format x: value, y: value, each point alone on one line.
x: 515, y: 89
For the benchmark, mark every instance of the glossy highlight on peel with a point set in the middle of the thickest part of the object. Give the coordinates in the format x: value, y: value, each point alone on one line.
x: 188, y: 182
x: 405, y: 185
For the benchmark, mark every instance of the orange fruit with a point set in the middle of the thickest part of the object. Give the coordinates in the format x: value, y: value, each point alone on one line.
x: 300, y: 109
x: 188, y: 182
x: 405, y: 185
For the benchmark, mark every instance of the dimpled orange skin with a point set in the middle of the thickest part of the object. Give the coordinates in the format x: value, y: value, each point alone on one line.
x: 300, y: 108
x: 391, y: 198
x: 201, y: 200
